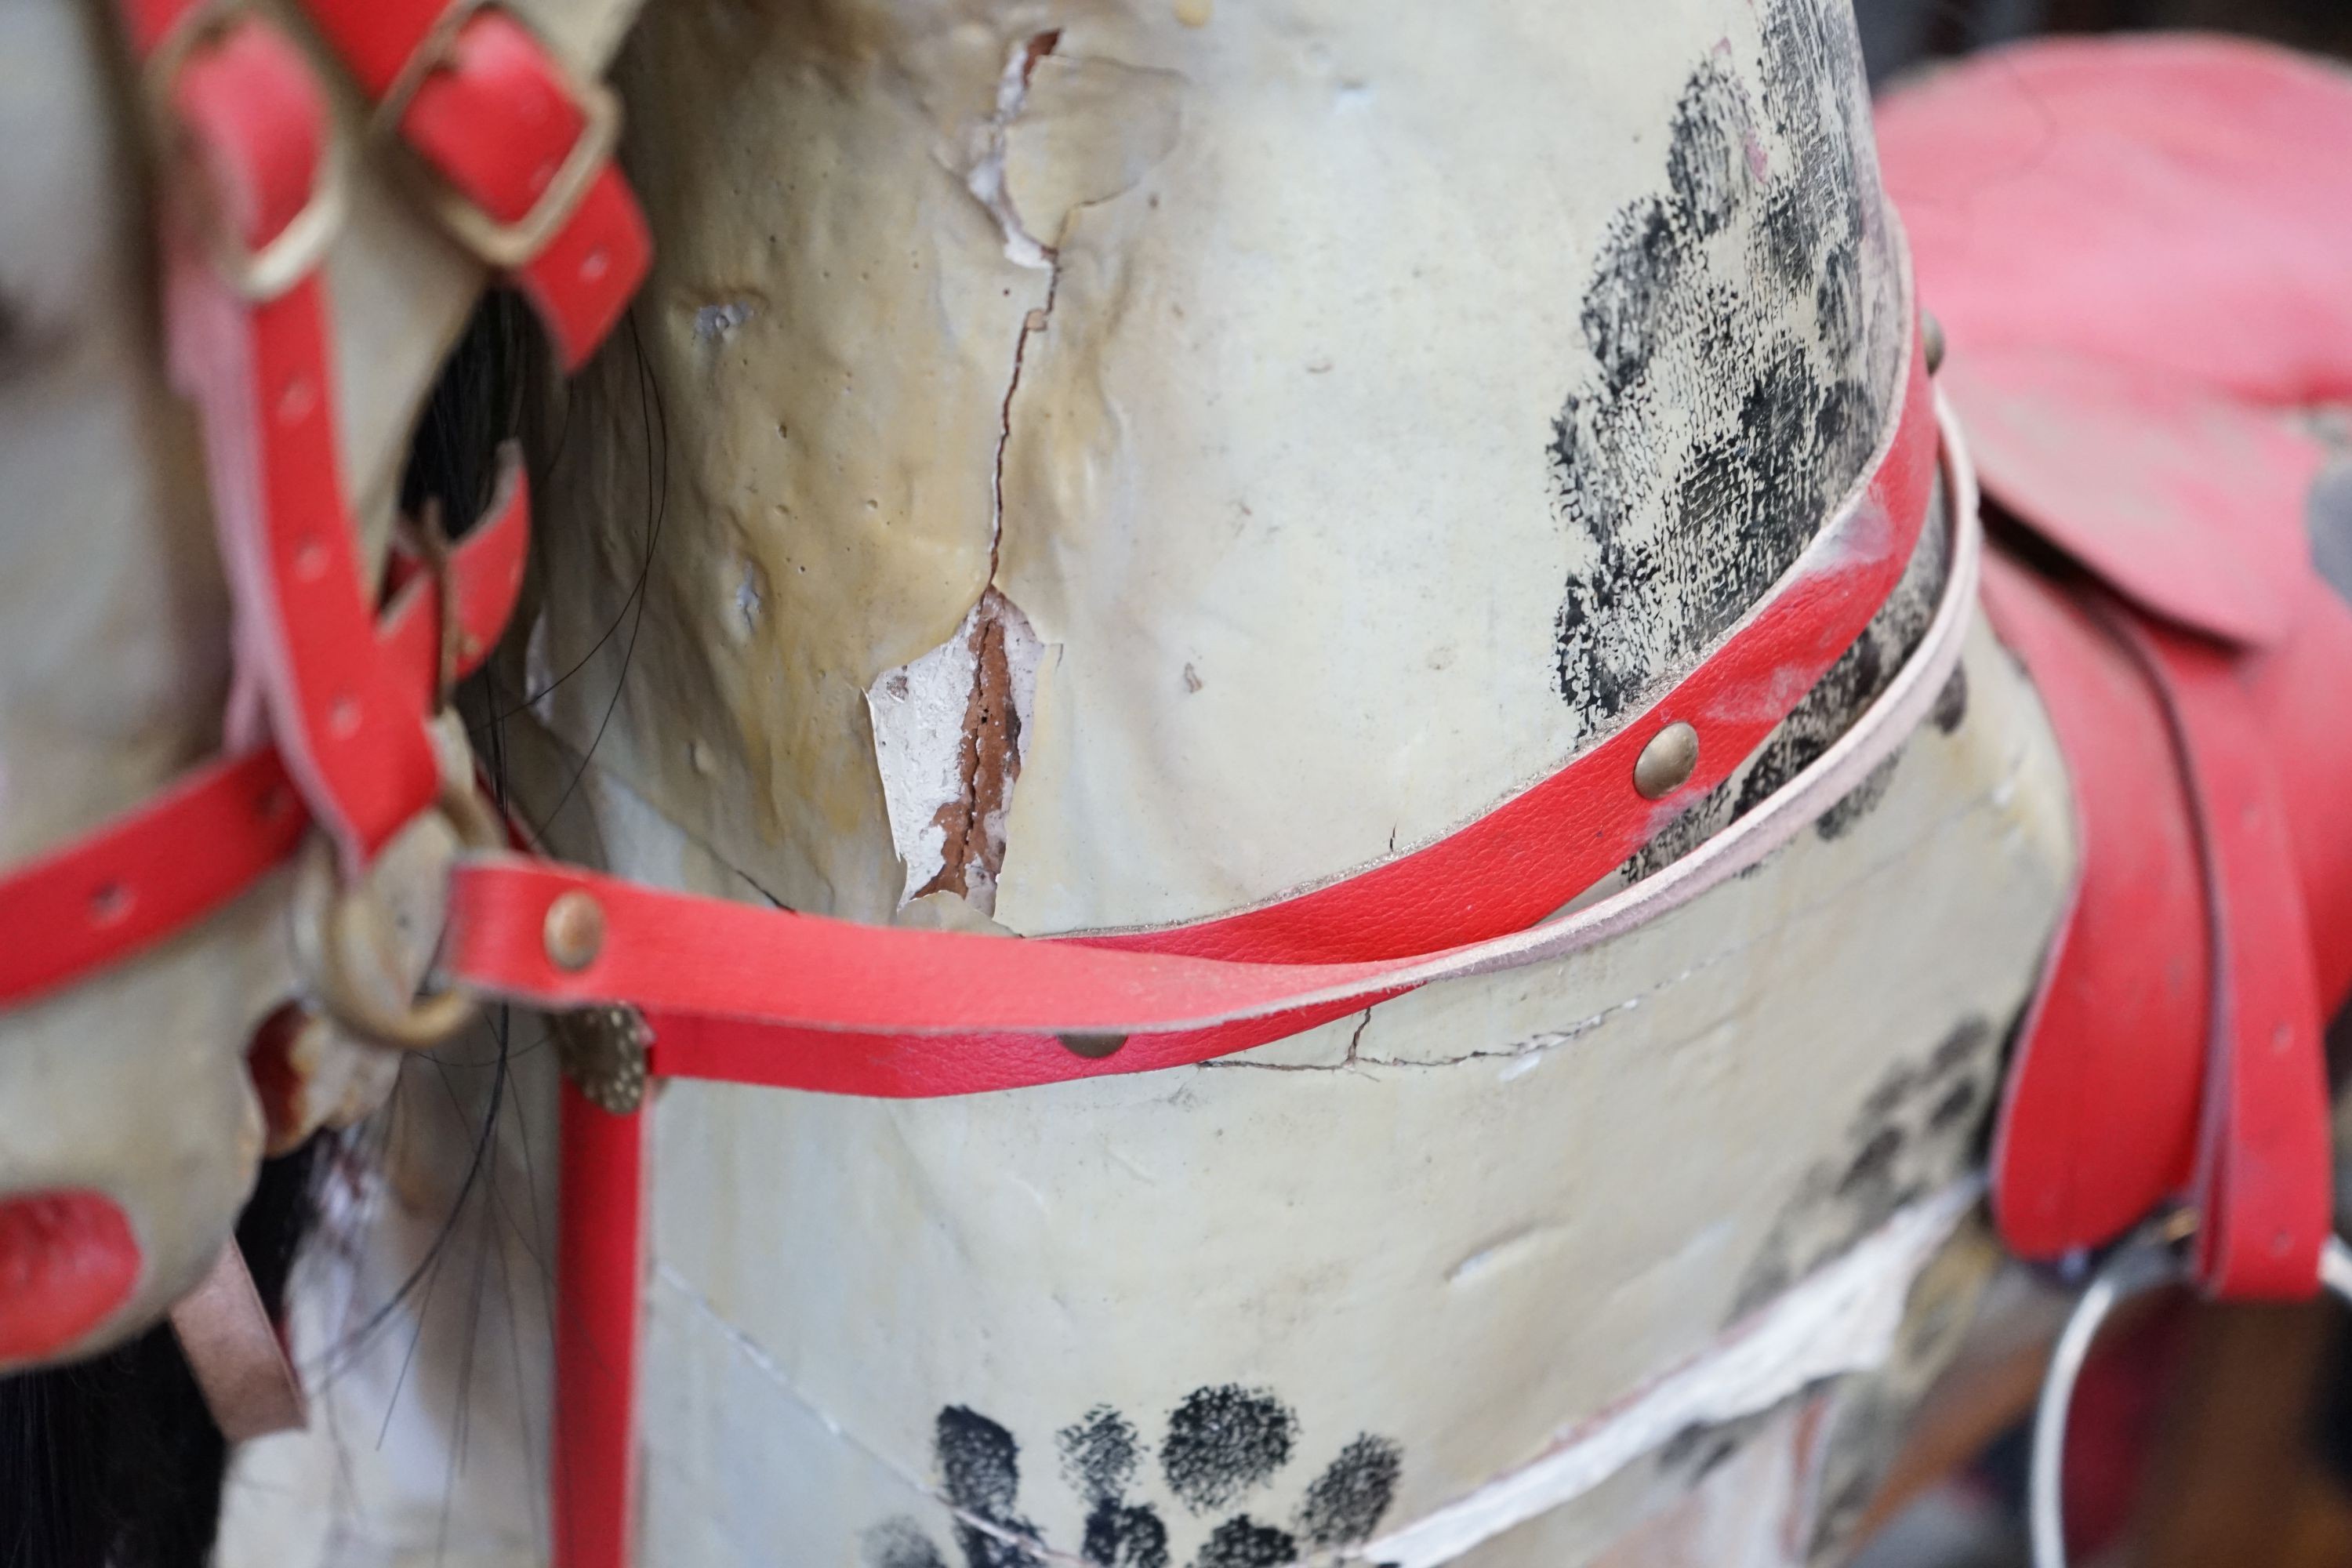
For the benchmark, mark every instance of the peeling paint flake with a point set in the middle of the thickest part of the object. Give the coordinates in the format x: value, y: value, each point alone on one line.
x: 947, y: 736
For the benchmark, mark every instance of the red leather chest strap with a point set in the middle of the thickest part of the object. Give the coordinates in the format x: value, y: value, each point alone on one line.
x: 762, y: 962
x: 754, y: 994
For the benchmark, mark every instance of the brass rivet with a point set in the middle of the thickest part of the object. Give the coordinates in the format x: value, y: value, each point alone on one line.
x: 574, y: 932
x: 1931, y: 334
x: 1666, y: 763
x: 1094, y: 1047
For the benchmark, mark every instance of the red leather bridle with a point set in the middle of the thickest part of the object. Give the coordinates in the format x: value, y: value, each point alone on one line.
x: 513, y: 155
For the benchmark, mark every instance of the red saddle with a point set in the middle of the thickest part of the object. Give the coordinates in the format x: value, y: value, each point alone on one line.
x: 2141, y: 252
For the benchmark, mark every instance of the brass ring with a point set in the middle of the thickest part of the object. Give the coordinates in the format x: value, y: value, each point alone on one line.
x: 300, y: 246
x: 324, y: 916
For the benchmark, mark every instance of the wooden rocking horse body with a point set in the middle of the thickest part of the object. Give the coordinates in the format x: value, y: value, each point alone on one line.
x: 1247, y: 766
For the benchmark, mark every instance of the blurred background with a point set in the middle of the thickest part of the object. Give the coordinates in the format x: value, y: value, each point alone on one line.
x: 2204, y: 1437
x: 1901, y: 35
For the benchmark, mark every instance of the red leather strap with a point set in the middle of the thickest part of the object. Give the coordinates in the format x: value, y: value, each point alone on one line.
x: 600, y: 1267
x: 2098, y: 1122
x: 256, y: 130
x: 2262, y: 1188
x: 755, y: 995
x: 2310, y: 674
x: 501, y: 123
x: 178, y: 857
x: 2175, y: 1045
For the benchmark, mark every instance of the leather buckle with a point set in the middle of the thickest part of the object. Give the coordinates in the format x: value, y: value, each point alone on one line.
x: 258, y: 274
x: 504, y: 246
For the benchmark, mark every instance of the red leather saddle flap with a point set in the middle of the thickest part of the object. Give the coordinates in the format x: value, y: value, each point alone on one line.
x: 2100, y: 1119
x: 2187, y: 502
x: 2141, y: 252
x: 2171, y: 203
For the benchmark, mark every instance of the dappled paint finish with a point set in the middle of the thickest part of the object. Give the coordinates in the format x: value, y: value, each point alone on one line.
x: 1234, y: 357
x: 1744, y: 328
x: 1262, y: 451
x: 1220, y: 1447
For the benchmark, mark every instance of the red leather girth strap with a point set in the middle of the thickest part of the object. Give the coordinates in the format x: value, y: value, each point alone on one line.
x: 2174, y: 1048
x: 2262, y: 1191
x: 518, y: 150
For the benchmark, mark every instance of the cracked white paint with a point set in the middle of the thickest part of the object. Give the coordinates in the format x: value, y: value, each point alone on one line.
x: 1258, y: 450
x: 983, y: 173
x: 918, y: 710
x: 917, y: 715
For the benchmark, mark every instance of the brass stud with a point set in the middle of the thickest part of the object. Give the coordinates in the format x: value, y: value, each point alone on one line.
x: 1094, y: 1047
x: 574, y: 932
x: 1931, y: 335
x: 1666, y: 763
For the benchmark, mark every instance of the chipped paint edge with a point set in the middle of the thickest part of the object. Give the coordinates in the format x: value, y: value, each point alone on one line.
x: 1841, y: 1319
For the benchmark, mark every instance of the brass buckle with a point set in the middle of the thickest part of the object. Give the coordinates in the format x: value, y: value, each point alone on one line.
x: 335, y: 924
x: 257, y: 275
x: 504, y: 246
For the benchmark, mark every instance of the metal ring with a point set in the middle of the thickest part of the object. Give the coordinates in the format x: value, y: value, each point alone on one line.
x: 2133, y: 1269
x: 256, y: 274
x: 324, y: 914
